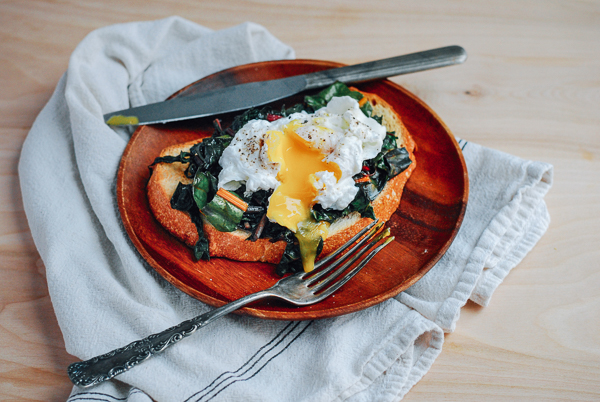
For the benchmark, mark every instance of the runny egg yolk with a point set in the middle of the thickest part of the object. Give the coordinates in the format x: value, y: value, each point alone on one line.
x: 292, y: 200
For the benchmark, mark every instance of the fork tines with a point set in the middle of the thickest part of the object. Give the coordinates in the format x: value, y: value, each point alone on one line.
x: 341, y: 260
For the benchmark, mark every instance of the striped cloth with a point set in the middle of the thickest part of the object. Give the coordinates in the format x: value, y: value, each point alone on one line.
x: 106, y: 296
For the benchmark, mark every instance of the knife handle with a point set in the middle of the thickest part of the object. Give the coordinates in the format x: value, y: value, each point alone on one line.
x: 409, y: 63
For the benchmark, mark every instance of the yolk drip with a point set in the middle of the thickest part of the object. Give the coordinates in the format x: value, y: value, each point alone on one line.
x: 292, y: 200
x: 119, y: 120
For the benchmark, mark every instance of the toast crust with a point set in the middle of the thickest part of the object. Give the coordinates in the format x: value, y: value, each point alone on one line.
x: 233, y: 245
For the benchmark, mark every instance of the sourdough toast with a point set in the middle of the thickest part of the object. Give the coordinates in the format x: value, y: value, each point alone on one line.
x: 166, y: 177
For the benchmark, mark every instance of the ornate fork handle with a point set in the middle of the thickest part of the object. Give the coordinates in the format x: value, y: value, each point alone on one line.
x: 101, y: 368
x: 301, y: 289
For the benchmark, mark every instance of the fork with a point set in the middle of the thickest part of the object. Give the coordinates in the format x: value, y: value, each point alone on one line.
x: 301, y: 289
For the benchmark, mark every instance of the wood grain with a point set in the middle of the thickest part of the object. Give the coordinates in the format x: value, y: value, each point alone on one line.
x: 530, y: 88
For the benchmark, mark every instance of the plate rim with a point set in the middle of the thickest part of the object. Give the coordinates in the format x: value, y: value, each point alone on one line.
x: 297, y: 313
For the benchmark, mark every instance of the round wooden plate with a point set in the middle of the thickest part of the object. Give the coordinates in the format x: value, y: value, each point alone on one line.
x: 429, y: 216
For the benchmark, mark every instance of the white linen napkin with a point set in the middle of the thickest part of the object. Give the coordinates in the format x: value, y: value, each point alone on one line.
x: 106, y: 296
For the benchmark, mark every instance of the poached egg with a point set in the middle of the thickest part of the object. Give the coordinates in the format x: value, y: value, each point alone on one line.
x: 305, y: 159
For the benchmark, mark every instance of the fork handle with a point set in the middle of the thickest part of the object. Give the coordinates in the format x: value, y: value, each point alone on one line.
x: 104, y: 367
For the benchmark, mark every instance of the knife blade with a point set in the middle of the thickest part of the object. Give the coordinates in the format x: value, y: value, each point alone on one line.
x: 244, y: 96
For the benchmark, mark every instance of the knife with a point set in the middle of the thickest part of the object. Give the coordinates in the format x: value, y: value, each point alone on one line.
x: 244, y: 96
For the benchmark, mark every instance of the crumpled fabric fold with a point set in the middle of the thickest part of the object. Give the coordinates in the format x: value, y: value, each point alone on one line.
x: 105, y: 295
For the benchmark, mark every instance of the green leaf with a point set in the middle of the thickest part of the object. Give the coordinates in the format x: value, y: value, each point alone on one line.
x: 389, y: 142
x: 367, y: 109
x: 262, y: 114
x: 182, y: 198
x: 200, y: 249
x: 183, y: 157
x: 398, y: 161
x: 360, y: 204
x: 201, y: 188
x: 290, y: 260
x: 337, y: 89
x: 371, y: 187
x: 322, y: 214
x: 223, y: 215
x: 206, y: 154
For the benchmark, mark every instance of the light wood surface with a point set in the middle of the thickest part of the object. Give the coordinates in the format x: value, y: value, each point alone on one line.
x: 531, y: 87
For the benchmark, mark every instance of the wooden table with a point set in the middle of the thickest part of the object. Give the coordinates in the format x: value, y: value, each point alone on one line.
x: 531, y: 87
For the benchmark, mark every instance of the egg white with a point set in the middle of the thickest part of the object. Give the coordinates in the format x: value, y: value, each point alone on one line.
x: 340, y: 130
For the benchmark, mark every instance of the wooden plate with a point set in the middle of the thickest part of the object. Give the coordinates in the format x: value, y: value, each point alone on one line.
x: 430, y: 213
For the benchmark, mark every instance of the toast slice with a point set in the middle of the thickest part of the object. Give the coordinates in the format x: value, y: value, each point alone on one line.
x: 233, y: 245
